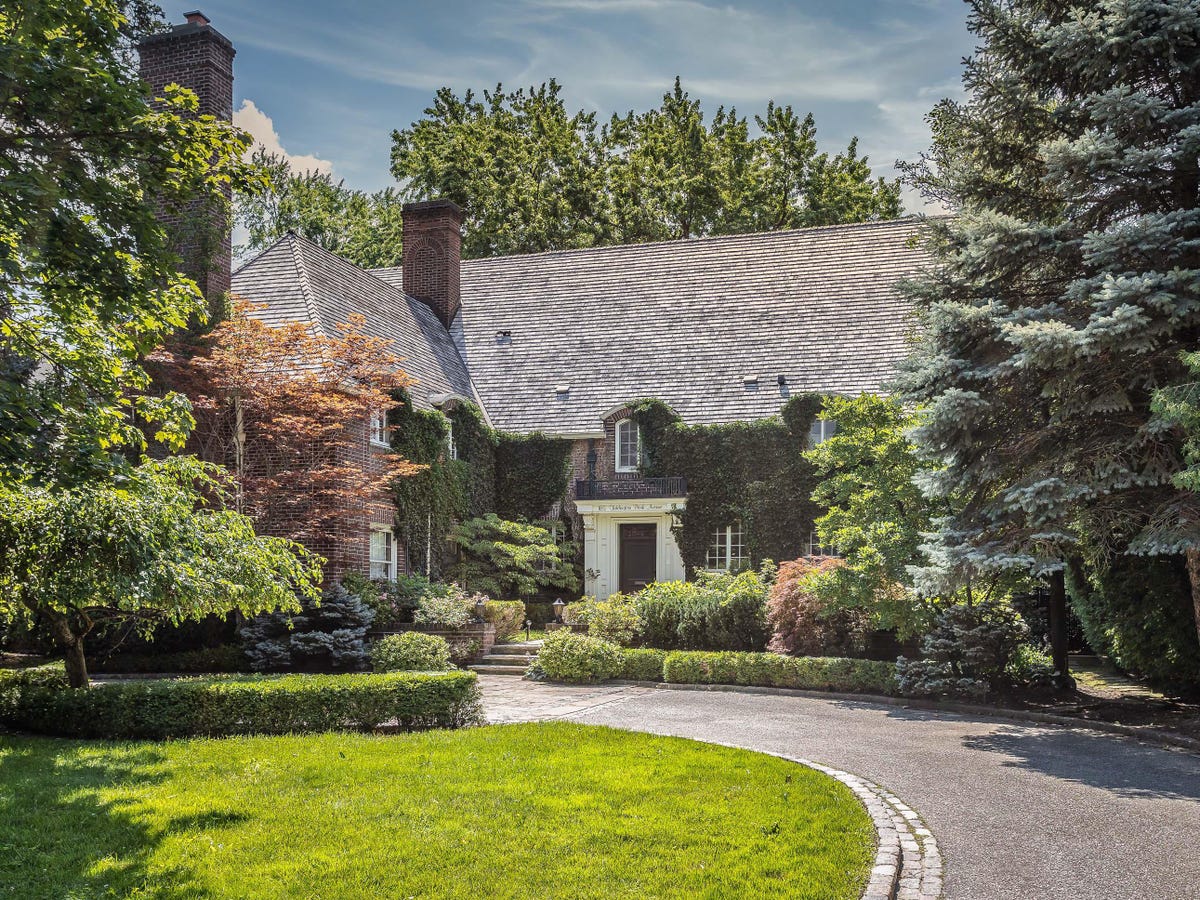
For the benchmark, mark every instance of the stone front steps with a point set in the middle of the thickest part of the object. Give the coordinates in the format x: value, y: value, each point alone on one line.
x: 507, y: 659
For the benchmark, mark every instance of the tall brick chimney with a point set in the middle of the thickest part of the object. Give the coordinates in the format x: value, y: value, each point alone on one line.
x: 432, y: 255
x: 197, y: 56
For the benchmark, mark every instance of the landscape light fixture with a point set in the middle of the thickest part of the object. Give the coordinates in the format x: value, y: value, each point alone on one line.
x: 558, y: 608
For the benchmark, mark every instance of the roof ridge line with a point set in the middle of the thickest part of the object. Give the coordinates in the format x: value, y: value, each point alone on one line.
x: 306, y: 290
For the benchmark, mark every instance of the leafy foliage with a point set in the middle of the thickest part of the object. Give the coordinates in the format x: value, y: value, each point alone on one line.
x: 802, y: 622
x: 511, y: 559
x: 533, y: 176
x: 88, y: 280
x: 532, y: 471
x: 748, y: 472
x: 160, y: 546
x: 1138, y: 612
x: 216, y: 706
x: 614, y: 619
x: 324, y: 635
x: 362, y: 228
x: 717, y: 611
x: 643, y: 664
x: 578, y: 658
x: 411, y: 651
x: 506, y: 616
x: 447, y: 606
x: 773, y: 670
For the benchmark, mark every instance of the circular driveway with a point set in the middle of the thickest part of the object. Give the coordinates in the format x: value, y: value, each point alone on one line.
x: 1021, y: 812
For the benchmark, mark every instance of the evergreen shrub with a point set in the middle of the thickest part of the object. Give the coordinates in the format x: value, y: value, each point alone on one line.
x: 321, y: 637
x: 643, y: 664
x: 216, y: 706
x: 507, y: 616
x: 411, y: 651
x: 578, y: 658
x: 717, y: 611
x: 775, y: 670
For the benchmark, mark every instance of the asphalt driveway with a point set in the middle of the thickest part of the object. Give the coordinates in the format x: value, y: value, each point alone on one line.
x: 1021, y: 812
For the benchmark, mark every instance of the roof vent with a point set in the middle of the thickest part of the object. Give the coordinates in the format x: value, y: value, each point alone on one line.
x: 504, y: 337
x: 750, y: 382
x: 782, y: 380
x: 562, y: 390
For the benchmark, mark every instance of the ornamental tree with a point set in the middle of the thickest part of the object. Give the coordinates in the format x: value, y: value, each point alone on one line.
x: 1064, y: 288
x: 158, y: 545
x: 511, y: 559
x: 287, y: 412
x: 88, y: 279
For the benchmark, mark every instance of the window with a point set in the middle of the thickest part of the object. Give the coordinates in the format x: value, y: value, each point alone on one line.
x: 451, y: 447
x: 816, y: 549
x: 727, y: 551
x: 821, y: 430
x: 383, y: 553
x: 629, y: 446
x: 379, y: 430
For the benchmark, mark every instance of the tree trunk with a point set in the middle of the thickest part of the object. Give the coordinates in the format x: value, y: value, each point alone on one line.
x: 1058, y: 622
x: 71, y: 645
x: 1193, y: 566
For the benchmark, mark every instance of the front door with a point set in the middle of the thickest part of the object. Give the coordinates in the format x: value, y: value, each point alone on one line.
x: 639, y: 556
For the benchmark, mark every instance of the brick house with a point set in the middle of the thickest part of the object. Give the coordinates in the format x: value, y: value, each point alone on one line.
x: 722, y: 329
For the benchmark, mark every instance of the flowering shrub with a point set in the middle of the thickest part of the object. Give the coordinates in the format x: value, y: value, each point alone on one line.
x: 803, y: 624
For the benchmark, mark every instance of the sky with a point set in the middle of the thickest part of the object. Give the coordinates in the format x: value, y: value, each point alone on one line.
x: 327, y: 82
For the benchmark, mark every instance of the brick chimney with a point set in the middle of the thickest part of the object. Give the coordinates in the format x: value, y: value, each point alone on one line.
x: 197, y: 56
x: 432, y: 255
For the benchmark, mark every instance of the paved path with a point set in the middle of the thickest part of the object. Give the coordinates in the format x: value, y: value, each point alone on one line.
x: 1021, y: 812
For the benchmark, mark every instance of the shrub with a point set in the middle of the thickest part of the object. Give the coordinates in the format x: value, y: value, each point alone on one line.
x: 508, y: 617
x: 1032, y: 667
x: 225, y: 658
x: 643, y: 665
x: 286, y: 704
x: 331, y: 635
x: 774, y: 670
x: 614, y: 619
x: 14, y: 682
x: 578, y: 658
x: 717, y: 611
x: 411, y: 652
x: 802, y: 624
x: 967, y: 651
x: 575, y: 615
x: 452, y: 609
x: 512, y: 559
x: 393, y: 602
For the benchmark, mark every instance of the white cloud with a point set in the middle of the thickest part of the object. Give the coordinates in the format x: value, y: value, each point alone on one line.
x: 262, y: 129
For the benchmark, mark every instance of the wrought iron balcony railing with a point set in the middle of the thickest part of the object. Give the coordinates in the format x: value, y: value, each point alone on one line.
x: 630, y: 488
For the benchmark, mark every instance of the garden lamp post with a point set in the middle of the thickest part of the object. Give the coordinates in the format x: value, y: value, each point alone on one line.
x: 479, y: 607
x: 558, y: 608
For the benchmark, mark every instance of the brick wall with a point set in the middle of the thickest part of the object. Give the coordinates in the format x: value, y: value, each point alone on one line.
x: 432, y: 255
x: 198, y: 57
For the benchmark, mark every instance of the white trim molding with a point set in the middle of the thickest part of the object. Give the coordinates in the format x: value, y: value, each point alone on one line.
x: 602, y: 521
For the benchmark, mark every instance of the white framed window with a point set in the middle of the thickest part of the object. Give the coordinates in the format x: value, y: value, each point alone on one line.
x: 821, y: 431
x: 815, y: 548
x: 451, y: 446
x: 383, y: 553
x: 379, y: 429
x: 629, y: 446
x: 727, y: 550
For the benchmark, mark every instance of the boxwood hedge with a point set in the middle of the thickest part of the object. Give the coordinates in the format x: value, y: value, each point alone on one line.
x: 814, y: 673
x: 218, y: 706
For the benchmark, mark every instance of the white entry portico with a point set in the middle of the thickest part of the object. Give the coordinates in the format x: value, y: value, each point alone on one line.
x: 616, y: 539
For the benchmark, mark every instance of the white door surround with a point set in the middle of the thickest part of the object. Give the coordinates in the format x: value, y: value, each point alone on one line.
x: 602, y: 520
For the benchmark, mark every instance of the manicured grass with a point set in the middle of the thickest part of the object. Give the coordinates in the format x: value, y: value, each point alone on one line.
x: 535, y: 634
x: 520, y: 811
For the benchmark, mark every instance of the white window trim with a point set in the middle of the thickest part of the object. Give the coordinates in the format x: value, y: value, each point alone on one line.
x: 378, y: 429
x: 391, y: 561
x: 826, y: 428
x: 451, y: 446
x: 726, y: 534
x: 618, y: 447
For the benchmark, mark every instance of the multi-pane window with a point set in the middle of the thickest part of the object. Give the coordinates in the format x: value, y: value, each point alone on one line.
x: 815, y: 548
x: 821, y: 430
x: 629, y: 446
x: 379, y: 428
x: 727, y: 549
x: 383, y: 553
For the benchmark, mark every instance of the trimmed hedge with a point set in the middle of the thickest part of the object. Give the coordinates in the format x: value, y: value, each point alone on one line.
x: 15, y: 682
x: 813, y: 673
x: 577, y: 658
x: 411, y: 651
x: 219, y: 706
x: 643, y: 665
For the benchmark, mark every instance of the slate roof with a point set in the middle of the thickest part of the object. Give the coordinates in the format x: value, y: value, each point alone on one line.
x: 686, y: 322
x: 301, y: 282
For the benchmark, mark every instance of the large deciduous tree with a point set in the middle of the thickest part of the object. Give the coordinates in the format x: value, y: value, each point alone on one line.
x: 157, y: 545
x: 360, y: 227
x: 88, y: 279
x: 1066, y: 286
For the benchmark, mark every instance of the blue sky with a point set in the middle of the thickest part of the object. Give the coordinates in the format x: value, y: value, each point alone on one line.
x: 328, y: 82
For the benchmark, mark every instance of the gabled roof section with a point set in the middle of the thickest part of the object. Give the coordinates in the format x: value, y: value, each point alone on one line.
x: 708, y: 326
x: 297, y: 281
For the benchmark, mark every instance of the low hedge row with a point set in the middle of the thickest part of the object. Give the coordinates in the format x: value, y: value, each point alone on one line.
x: 813, y: 673
x: 219, y: 706
x: 643, y: 665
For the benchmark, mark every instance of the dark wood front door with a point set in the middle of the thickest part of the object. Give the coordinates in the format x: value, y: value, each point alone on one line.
x: 639, y: 556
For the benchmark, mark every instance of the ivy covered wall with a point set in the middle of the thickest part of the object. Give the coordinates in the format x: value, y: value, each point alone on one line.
x: 751, y: 472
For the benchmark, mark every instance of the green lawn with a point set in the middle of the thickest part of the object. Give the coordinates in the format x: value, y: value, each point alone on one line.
x: 547, y: 810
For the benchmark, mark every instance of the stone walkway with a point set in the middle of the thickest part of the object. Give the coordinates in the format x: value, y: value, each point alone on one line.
x: 1019, y: 812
